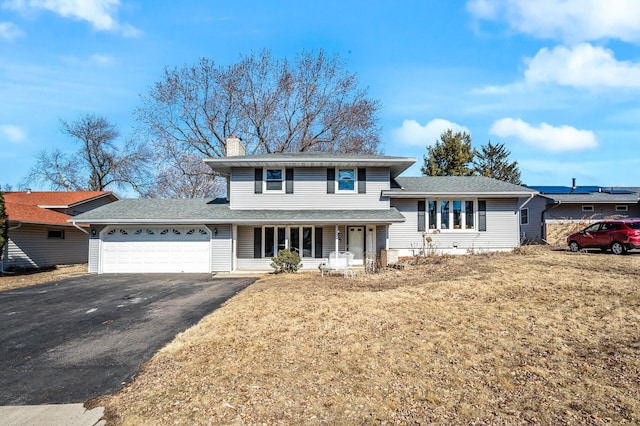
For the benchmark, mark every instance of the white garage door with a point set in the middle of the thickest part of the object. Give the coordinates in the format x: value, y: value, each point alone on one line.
x: 156, y: 249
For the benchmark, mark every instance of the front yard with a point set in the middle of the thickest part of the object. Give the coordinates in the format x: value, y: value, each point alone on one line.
x: 538, y: 336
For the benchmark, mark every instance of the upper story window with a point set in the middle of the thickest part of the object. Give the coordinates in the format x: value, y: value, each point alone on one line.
x: 346, y: 180
x: 587, y: 208
x: 274, y: 179
x: 622, y: 208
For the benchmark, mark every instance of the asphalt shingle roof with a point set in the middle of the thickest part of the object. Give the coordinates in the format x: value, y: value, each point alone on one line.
x: 458, y: 184
x: 217, y: 211
x: 24, y: 206
x: 396, y: 165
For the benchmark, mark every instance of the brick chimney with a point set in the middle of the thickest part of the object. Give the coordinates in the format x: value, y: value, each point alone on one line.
x: 235, y: 147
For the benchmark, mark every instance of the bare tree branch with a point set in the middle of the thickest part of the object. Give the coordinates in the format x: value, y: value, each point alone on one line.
x: 98, y: 164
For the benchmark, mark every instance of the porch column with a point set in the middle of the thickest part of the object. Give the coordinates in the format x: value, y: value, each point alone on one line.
x: 386, y: 240
x: 337, y: 240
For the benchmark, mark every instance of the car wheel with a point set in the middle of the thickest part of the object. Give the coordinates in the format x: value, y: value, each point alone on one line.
x: 618, y: 248
x: 574, y: 247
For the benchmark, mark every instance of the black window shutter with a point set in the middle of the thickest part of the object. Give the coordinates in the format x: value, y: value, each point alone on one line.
x: 362, y: 181
x: 289, y: 184
x: 257, y: 243
x: 318, y: 231
x: 258, y: 181
x: 482, y: 215
x: 331, y: 181
x: 421, y: 216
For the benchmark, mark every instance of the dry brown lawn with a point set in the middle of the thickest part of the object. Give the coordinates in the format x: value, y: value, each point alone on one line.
x: 28, y: 278
x: 537, y: 336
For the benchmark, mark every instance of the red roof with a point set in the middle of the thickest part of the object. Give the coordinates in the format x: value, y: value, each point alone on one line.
x: 24, y: 206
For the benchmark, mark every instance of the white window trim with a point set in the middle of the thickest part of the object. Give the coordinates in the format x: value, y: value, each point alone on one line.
x: 463, y: 214
x: 283, y: 181
x: 527, y: 222
x: 622, y: 208
x: 588, y: 208
x: 355, y: 181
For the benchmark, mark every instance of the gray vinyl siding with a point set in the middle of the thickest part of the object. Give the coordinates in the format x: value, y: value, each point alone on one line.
x: 244, y: 248
x: 94, y: 249
x: 221, y: 244
x: 600, y: 211
x: 309, y: 192
x: 502, y: 229
x: 29, y: 247
x: 534, y: 228
x: 381, y: 238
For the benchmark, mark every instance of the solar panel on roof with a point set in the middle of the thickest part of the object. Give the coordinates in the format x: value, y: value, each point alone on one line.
x: 552, y: 189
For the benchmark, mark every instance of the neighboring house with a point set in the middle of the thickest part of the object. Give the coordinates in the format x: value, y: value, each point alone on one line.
x: 39, y: 232
x: 558, y: 210
x: 313, y: 203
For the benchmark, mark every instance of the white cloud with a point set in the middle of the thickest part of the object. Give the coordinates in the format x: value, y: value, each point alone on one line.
x: 569, y: 20
x: 413, y: 133
x: 10, y: 31
x: 99, y: 13
x: 583, y: 66
x: 12, y: 133
x: 545, y: 136
x: 102, y: 59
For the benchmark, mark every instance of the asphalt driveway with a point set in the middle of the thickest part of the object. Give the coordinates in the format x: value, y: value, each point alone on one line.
x: 75, y: 339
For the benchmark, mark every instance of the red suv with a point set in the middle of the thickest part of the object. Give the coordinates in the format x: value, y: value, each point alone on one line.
x: 618, y: 235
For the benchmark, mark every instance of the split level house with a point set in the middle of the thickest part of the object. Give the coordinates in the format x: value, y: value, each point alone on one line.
x: 314, y: 203
x: 556, y: 211
x: 39, y: 233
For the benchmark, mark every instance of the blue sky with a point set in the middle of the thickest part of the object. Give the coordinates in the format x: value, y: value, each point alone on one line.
x: 556, y: 81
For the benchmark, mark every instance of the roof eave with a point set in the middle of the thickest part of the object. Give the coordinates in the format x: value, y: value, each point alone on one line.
x: 224, y: 165
x: 420, y: 194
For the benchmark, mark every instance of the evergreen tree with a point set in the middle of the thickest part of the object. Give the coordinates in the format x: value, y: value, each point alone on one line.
x: 493, y: 161
x: 450, y: 156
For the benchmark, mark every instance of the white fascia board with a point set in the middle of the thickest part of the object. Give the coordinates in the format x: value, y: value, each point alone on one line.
x: 451, y: 195
x: 230, y: 221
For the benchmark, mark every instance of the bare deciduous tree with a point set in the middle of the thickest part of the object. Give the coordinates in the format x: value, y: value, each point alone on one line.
x: 188, y: 177
x: 310, y: 104
x: 98, y: 164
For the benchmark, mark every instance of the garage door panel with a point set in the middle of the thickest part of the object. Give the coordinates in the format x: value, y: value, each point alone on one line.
x: 172, y: 249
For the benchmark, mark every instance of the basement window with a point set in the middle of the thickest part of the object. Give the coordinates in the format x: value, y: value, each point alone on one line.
x: 55, y: 234
x: 622, y: 208
x: 587, y: 208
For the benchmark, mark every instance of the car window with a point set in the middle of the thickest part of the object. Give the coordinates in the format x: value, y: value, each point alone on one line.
x: 592, y: 228
x: 633, y: 225
x: 610, y: 226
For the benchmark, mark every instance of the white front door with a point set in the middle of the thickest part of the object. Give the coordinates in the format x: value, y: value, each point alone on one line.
x: 355, y: 241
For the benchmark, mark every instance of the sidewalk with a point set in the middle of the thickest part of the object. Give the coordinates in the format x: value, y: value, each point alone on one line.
x: 51, y: 415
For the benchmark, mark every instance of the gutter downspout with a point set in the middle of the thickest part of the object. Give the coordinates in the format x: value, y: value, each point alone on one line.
x: 79, y: 228
x: 6, y: 249
x: 543, y: 225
